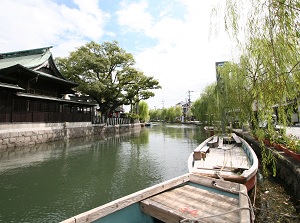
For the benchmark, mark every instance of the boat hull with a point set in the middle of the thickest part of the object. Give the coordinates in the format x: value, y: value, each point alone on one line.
x: 212, y: 164
x: 188, y: 197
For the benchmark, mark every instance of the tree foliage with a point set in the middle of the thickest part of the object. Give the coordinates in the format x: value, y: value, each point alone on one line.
x: 143, y: 111
x: 267, y: 35
x: 270, y: 59
x: 206, y: 108
x: 106, y: 73
x: 172, y: 114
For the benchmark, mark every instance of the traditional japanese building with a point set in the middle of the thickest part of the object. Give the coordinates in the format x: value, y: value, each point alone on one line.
x: 33, y: 90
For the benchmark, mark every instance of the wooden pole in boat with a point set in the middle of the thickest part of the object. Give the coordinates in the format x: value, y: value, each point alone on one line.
x: 220, y: 86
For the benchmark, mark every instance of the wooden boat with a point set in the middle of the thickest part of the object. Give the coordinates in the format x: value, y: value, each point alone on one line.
x: 225, y: 157
x: 188, y: 198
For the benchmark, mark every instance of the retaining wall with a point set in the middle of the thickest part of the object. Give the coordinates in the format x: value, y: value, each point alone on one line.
x: 15, y: 135
x: 287, y: 169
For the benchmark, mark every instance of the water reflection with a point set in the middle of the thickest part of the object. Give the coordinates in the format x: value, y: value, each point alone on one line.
x: 54, y: 181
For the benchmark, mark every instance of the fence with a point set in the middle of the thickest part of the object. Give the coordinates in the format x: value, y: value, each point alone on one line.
x: 113, y: 121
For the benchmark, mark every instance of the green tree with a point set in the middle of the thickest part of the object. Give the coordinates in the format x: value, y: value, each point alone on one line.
x: 206, y: 108
x: 269, y: 41
x: 143, y: 111
x: 106, y: 73
x: 173, y: 113
x: 155, y: 114
x: 164, y: 112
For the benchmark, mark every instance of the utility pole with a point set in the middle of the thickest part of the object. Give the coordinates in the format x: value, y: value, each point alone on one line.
x: 189, y: 100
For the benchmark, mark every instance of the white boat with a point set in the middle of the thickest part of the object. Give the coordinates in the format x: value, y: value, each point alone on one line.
x: 225, y: 157
x: 188, y: 198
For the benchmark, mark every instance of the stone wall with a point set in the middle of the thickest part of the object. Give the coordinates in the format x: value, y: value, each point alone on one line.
x: 287, y: 169
x: 16, y: 135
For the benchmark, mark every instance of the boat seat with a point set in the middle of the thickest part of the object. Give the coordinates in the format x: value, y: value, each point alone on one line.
x: 220, y: 144
x: 214, y: 142
x: 204, y: 149
x: 237, y: 140
x: 200, y: 152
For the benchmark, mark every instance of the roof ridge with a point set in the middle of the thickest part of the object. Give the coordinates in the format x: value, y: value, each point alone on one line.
x: 24, y: 52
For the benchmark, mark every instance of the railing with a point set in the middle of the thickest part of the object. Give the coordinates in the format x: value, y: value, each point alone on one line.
x: 54, y: 117
x: 113, y: 121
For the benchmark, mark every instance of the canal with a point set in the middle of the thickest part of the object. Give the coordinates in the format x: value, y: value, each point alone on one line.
x: 54, y: 181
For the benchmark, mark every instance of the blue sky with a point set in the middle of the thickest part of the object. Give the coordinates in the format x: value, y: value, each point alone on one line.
x: 170, y: 39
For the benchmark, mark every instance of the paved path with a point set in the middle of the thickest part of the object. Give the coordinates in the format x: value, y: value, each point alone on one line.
x: 293, y: 131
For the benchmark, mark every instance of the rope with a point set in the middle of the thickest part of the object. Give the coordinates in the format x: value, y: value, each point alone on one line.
x: 219, y: 175
x: 252, y: 215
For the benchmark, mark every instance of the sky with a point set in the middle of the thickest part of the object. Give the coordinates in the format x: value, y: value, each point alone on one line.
x: 172, y: 40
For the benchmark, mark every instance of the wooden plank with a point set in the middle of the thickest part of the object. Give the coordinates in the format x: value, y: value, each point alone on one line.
x: 236, y: 139
x: 208, y: 197
x: 189, y: 202
x: 160, y: 211
x: 205, y: 181
x: 214, y: 142
x: 199, y: 153
x: 244, y: 205
x: 198, y: 148
x: 220, y: 145
x: 205, y: 149
x: 189, y: 195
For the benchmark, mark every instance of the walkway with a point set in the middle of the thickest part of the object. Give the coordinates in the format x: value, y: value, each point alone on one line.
x: 293, y: 131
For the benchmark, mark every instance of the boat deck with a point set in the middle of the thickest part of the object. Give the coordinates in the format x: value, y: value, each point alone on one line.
x: 187, y: 198
x: 193, y: 203
x: 228, y: 158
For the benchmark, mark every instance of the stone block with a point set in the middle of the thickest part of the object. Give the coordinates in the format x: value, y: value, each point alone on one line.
x: 12, y: 140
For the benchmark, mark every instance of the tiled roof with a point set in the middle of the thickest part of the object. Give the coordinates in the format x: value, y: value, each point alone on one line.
x: 27, y: 58
x: 10, y: 86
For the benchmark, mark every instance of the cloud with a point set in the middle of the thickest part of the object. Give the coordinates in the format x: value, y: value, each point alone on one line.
x: 32, y: 24
x: 184, y: 57
x: 133, y: 17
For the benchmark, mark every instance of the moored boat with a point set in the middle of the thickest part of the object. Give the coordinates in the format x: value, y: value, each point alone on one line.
x: 188, y: 198
x: 227, y: 157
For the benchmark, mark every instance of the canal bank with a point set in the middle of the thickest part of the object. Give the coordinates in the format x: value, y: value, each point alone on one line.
x: 29, y: 134
x: 287, y: 168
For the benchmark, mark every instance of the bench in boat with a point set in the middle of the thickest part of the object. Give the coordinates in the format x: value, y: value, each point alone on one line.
x: 200, y: 152
x: 236, y: 139
x: 214, y: 142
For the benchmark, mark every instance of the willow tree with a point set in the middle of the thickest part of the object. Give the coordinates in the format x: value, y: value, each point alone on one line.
x: 267, y: 34
x: 144, y: 111
x: 234, y: 97
x: 206, y: 108
x: 269, y: 38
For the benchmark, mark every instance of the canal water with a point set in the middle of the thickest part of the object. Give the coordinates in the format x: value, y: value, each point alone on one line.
x: 54, y: 181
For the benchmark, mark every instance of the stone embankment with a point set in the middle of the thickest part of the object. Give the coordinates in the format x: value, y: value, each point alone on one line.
x: 16, y: 135
x: 287, y: 168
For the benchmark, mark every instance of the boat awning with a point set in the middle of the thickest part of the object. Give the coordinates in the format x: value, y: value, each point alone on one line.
x: 49, y: 98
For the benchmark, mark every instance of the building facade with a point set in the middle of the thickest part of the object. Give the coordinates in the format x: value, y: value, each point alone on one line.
x: 33, y: 90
